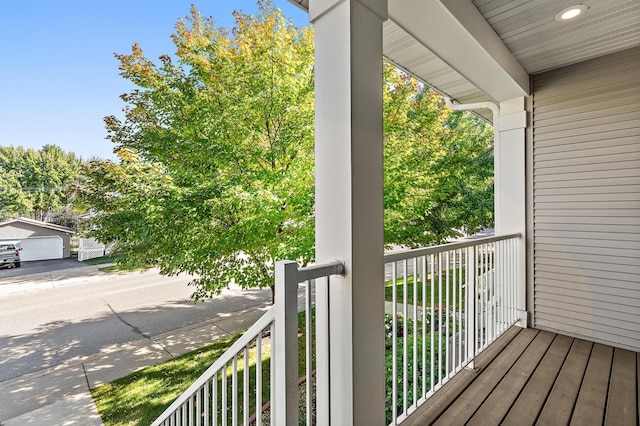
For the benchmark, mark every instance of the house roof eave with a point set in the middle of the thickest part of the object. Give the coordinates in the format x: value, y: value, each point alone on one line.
x: 51, y: 226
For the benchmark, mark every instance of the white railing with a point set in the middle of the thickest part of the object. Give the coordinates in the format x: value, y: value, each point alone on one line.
x: 258, y: 381
x: 449, y: 302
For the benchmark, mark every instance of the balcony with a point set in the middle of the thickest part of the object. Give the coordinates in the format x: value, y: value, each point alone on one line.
x: 565, y: 175
x: 452, y: 347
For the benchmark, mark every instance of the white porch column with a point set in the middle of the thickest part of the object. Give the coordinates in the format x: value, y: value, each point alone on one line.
x: 510, y: 202
x: 349, y: 201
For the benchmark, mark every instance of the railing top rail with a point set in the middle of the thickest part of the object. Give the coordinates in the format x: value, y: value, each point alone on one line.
x: 425, y: 251
x: 334, y: 267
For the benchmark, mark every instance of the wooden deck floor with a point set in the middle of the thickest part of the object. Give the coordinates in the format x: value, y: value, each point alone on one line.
x: 531, y: 377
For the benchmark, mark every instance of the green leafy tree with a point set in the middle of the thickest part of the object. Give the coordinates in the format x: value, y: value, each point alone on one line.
x: 216, y: 147
x: 68, y: 217
x: 12, y: 199
x: 216, y: 174
x: 438, y: 166
x: 35, y: 183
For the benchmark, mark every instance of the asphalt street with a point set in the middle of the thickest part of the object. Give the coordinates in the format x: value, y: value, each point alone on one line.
x: 42, y: 266
x: 45, y: 322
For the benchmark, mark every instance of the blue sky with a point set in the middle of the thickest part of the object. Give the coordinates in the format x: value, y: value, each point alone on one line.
x: 58, y: 75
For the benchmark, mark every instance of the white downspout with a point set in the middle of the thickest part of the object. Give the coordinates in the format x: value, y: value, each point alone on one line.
x: 478, y: 105
x: 499, y: 191
x: 495, y: 109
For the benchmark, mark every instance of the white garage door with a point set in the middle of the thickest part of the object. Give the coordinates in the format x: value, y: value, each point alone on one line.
x: 41, y: 248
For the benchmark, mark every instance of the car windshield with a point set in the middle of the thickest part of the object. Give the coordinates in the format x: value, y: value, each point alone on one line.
x: 7, y: 247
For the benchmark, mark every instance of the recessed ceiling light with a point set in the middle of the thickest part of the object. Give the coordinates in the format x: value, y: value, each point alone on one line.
x: 571, y: 12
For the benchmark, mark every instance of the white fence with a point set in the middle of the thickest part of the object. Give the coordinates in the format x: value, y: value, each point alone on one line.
x: 89, y: 248
x: 449, y: 302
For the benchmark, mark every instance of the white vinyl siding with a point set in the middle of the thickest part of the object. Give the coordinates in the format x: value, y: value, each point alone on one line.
x: 586, y: 197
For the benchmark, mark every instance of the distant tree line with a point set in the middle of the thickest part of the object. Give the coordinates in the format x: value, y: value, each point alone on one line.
x: 38, y: 184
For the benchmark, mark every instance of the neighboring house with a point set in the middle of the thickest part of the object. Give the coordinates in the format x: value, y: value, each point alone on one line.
x: 88, y: 215
x: 564, y: 97
x: 39, y: 240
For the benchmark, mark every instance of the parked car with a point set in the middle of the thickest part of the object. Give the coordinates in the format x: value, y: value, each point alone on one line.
x: 10, y: 254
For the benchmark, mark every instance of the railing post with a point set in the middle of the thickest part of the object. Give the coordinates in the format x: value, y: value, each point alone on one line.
x: 470, y: 331
x: 323, y: 389
x: 284, y: 404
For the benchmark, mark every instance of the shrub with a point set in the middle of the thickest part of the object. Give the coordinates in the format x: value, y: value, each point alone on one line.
x: 423, y: 366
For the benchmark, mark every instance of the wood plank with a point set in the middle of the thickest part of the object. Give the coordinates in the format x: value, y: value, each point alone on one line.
x: 442, y: 399
x: 532, y: 399
x: 497, y: 404
x: 622, y: 401
x: 592, y: 398
x: 557, y: 410
x: 463, y: 408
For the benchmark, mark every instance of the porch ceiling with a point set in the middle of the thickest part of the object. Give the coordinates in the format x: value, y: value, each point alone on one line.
x: 540, y: 43
x: 488, y: 47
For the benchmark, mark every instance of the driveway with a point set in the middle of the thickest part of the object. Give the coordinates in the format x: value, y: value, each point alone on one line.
x: 41, y: 266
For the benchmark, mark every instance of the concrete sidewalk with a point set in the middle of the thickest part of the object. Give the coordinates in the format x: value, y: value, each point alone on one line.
x: 61, y: 395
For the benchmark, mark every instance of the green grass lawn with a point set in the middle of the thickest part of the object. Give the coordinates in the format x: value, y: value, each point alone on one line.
x: 119, y: 264
x: 140, y: 397
x: 104, y: 259
x: 388, y: 291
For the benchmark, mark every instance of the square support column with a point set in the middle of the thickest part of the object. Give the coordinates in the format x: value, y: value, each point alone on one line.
x: 349, y: 203
x: 510, y: 187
